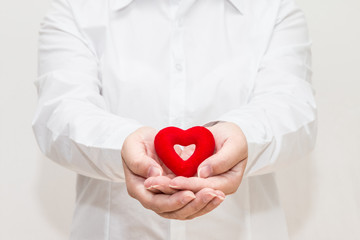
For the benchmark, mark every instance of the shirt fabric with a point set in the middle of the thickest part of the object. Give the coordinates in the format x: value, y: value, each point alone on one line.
x: 108, y: 67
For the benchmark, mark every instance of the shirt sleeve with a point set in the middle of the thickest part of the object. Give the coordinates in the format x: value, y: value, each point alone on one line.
x: 279, y: 120
x: 73, y: 124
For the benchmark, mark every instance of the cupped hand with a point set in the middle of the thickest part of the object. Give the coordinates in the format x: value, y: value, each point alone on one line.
x: 222, y: 171
x: 225, y: 169
x: 141, y: 162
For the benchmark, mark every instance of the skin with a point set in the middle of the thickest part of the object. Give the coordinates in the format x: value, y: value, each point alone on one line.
x: 158, y: 189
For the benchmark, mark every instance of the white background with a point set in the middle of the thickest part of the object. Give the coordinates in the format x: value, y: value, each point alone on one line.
x: 321, y: 194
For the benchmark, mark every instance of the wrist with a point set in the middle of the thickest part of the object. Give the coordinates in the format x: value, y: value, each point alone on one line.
x: 210, y: 124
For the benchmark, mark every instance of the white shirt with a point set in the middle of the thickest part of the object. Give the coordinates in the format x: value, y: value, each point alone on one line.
x: 108, y: 67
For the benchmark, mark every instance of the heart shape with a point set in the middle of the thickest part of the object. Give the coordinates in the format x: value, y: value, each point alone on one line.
x: 170, y: 136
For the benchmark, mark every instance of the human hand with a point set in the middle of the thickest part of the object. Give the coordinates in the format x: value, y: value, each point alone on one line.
x: 223, y: 170
x: 140, y: 161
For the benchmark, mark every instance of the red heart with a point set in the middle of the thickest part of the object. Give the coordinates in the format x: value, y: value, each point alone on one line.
x: 170, y: 136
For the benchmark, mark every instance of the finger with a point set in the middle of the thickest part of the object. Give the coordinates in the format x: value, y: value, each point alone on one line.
x: 214, y: 203
x: 159, y: 184
x: 203, y: 197
x: 227, y: 182
x: 157, y: 202
x: 231, y: 153
x: 155, y: 191
x: 161, y: 203
x: 193, y: 184
x: 136, y: 159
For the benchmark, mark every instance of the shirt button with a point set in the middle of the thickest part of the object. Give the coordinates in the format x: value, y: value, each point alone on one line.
x: 179, y: 67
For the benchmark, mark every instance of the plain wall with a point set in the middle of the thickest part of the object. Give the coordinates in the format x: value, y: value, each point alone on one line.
x: 320, y: 194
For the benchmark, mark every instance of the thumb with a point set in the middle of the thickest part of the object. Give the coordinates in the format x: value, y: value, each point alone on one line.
x: 222, y: 161
x: 137, y: 161
x: 137, y: 153
x: 143, y: 166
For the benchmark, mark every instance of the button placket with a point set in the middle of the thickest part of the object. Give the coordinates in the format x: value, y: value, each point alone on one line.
x: 177, y: 95
x: 177, y: 76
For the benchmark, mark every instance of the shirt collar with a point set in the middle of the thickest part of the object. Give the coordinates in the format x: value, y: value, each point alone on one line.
x: 238, y: 4
x: 120, y: 4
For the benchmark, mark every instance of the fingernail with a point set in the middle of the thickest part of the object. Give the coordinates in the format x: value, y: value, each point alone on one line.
x: 188, y: 198
x: 154, y: 172
x: 155, y: 187
x: 220, y: 197
x: 204, y: 172
x: 208, y: 197
x: 174, y: 183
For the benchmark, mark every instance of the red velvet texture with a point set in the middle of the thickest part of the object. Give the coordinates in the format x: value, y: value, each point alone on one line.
x: 170, y: 136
